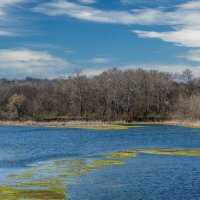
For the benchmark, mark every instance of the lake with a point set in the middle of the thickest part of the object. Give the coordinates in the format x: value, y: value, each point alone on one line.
x: 151, y: 162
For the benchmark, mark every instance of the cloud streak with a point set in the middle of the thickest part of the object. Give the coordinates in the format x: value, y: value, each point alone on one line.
x: 87, y: 1
x: 88, y: 13
x: 193, y: 55
x: 172, y: 68
x: 100, y: 60
x: 6, y: 16
x: 182, y: 19
x: 184, y: 24
x: 26, y: 62
x: 183, y: 37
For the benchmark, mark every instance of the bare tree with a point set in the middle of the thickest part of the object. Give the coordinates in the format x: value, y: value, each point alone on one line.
x: 16, y: 103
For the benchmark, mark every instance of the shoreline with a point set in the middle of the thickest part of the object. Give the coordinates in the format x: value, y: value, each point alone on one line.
x: 67, y: 124
x: 183, y: 123
x: 97, y: 124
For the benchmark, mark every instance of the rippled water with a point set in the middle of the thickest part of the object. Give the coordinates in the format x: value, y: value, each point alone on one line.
x: 146, y: 177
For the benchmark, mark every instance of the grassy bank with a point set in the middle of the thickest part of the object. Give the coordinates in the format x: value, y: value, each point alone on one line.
x: 184, y: 123
x: 98, y: 125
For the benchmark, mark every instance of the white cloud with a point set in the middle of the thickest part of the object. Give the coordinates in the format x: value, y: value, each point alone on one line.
x: 183, y: 37
x: 100, y: 60
x: 172, y: 68
x: 193, y: 55
x: 7, y: 33
x: 82, y: 12
x: 92, y: 71
x: 126, y: 1
x: 183, y: 19
x: 6, y: 18
x: 87, y: 1
x: 27, y: 62
x: 5, y: 5
x: 184, y: 23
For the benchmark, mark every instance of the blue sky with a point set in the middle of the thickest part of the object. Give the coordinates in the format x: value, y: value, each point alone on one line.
x: 53, y: 38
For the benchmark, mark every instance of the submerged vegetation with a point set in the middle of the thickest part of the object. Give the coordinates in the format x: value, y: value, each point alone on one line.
x: 113, y: 127
x: 51, y: 179
x: 108, y: 162
x: 10, y: 193
x: 133, y: 152
x: 122, y: 154
x: 110, y: 127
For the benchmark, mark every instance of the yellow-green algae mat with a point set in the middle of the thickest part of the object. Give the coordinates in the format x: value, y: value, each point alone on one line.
x: 102, y: 128
x: 49, y: 180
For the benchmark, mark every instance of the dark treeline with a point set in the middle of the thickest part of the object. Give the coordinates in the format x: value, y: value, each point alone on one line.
x: 114, y: 94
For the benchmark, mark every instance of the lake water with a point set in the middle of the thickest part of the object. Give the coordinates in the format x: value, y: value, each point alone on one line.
x: 144, y: 177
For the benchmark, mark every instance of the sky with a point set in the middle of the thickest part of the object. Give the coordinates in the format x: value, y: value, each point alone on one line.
x: 54, y: 38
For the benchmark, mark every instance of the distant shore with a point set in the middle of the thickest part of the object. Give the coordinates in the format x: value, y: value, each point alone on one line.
x: 184, y: 123
x: 97, y: 124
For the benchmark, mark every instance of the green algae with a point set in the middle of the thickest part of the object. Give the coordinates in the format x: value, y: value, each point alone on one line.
x: 111, y: 127
x: 69, y: 175
x: 51, y: 179
x: 133, y: 152
x: 24, y: 175
x: 87, y: 169
x: 178, y: 152
x: 115, y: 127
x: 77, y: 162
x: 41, y: 184
x: 108, y: 162
x: 122, y: 154
x: 9, y: 193
x: 46, y: 179
x: 101, y: 127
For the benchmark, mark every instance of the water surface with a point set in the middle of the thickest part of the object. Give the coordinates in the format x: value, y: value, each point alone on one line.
x: 145, y: 177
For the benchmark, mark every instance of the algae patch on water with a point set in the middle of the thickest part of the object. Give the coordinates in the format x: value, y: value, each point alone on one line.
x: 108, y: 162
x: 117, y: 127
x: 111, y: 127
x: 133, y: 152
x: 50, y: 180
x: 122, y: 154
x: 9, y: 193
x: 177, y: 152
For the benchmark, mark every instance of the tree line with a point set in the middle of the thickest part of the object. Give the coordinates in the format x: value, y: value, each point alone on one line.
x: 114, y: 94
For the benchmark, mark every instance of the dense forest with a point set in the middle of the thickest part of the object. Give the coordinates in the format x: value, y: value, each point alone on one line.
x: 115, y: 94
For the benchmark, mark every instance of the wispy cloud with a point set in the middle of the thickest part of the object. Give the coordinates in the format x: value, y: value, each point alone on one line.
x: 92, y: 71
x: 7, y: 18
x: 100, y: 60
x: 182, y: 19
x: 5, y: 4
x: 20, y: 63
x: 7, y: 32
x: 87, y: 1
x: 193, y: 55
x: 26, y: 62
x: 185, y: 36
x: 127, y: 1
x: 172, y: 68
x: 184, y: 24
x: 83, y: 12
